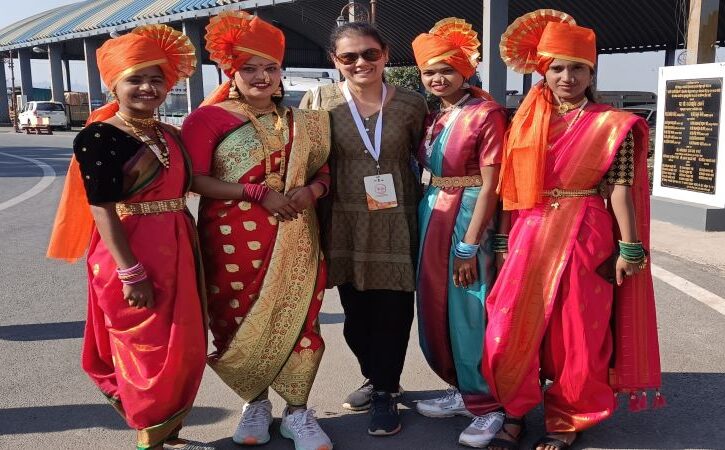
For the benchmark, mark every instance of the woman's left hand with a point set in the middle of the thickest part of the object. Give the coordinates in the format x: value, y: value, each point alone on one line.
x: 301, y: 198
x: 465, y: 272
x: 625, y: 269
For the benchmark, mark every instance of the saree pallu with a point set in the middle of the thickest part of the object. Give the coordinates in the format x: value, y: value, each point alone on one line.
x: 573, y: 238
x: 266, y: 278
x: 452, y: 320
x: 149, y: 361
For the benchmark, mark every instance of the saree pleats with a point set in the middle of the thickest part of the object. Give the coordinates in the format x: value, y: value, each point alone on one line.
x: 451, y: 319
x: 554, y: 252
x: 149, y: 361
x: 266, y: 278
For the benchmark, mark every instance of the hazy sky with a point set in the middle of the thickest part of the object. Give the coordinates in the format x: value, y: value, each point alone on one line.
x: 635, y: 71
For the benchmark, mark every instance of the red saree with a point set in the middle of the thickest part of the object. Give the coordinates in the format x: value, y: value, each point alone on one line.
x: 548, y: 292
x: 149, y: 361
x: 265, y: 279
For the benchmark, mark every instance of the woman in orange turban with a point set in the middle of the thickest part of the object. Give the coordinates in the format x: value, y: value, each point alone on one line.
x: 260, y: 167
x: 565, y: 306
x: 462, y: 149
x: 145, y: 340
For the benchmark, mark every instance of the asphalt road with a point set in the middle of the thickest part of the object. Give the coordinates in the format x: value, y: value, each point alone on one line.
x: 46, y: 401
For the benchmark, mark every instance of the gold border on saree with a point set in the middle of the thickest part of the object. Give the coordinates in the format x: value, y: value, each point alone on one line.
x: 153, y: 207
x: 456, y: 182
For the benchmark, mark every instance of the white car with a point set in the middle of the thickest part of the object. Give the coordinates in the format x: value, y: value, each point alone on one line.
x: 36, y: 113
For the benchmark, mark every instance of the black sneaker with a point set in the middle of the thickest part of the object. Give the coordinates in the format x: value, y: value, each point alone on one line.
x: 384, y: 416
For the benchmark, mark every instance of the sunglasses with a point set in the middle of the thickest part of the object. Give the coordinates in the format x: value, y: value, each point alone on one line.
x: 370, y: 55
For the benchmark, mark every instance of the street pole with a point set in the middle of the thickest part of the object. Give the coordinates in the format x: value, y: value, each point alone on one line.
x: 373, y: 10
x: 13, y: 97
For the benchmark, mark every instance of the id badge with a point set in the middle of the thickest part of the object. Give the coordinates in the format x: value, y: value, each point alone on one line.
x: 380, y: 192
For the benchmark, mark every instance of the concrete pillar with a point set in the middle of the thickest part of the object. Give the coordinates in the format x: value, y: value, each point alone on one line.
x: 93, y: 76
x: 670, y: 57
x: 702, y: 31
x: 195, y: 84
x: 56, y: 72
x: 526, y: 83
x: 493, y: 72
x: 66, y: 69
x: 4, y: 105
x: 26, y: 75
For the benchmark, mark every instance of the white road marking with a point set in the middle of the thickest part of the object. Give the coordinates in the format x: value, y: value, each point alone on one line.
x: 700, y: 294
x: 40, y: 186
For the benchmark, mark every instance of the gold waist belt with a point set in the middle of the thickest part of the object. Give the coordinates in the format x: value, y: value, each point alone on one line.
x: 154, y: 207
x: 456, y: 182
x: 562, y: 193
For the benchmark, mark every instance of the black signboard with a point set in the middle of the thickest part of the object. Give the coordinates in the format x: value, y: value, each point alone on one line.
x: 691, y: 131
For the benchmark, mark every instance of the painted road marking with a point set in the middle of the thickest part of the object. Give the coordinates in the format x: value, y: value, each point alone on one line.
x: 700, y: 294
x: 40, y: 186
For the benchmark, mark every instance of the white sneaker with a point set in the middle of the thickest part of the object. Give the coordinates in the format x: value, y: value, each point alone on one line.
x: 302, y: 427
x: 253, y: 428
x: 449, y: 405
x: 482, y: 430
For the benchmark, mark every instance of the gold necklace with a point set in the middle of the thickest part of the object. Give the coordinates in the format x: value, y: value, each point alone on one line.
x: 270, y: 142
x: 578, y: 114
x: 565, y: 107
x: 162, y: 151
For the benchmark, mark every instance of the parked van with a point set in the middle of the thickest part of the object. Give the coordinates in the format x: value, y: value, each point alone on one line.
x: 53, y: 111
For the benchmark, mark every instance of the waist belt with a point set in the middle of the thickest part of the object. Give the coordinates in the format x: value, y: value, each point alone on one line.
x: 456, y: 182
x: 558, y: 193
x: 153, y: 207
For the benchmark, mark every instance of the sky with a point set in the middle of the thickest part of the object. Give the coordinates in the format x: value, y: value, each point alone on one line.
x: 630, y: 72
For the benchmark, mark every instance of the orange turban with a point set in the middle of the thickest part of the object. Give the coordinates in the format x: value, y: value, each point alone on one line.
x: 530, y: 44
x: 145, y: 46
x: 232, y: 37
x: 451, y: 41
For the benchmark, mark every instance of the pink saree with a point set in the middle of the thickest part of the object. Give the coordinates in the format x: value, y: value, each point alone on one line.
x: 554, y: 252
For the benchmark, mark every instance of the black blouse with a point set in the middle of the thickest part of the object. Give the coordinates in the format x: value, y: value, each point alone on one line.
x: 102, y: 150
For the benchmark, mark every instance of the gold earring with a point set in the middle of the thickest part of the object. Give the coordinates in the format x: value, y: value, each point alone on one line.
x: 278, y: 92
x: 233, y: 91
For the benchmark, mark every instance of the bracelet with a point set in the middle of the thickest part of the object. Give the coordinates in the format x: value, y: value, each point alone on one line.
x: 254, y: 192
x: 465, y: 251
x: 500, y: 243
x: 325, y: 188
x: 632, y: 252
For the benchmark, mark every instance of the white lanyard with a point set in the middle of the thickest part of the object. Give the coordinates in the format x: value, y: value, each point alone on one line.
x: 373, y: 150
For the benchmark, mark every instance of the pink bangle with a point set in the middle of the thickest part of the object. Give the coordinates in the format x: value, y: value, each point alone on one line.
x: 136, y: 280
x: 254, y: 192
x: 138, y: 268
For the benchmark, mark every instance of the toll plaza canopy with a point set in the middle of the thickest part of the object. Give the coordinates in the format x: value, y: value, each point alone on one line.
x: 73, y: 32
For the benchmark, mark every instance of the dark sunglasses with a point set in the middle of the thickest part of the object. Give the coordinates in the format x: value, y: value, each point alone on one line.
x: 370, y: 55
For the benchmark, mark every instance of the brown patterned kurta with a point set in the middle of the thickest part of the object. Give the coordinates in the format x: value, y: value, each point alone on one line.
x: 372, y: 249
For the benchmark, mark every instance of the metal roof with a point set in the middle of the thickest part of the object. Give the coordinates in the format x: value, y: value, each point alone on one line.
x: 95, y: 17
x: 621, y: 25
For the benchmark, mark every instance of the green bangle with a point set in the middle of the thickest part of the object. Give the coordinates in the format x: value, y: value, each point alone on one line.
x: 500, y: 243
x: 632, y: 252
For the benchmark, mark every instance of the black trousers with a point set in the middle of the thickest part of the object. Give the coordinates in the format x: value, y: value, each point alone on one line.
x: 377, y: 328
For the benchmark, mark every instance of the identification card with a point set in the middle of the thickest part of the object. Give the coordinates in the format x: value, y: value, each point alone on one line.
x: 380, y: 192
